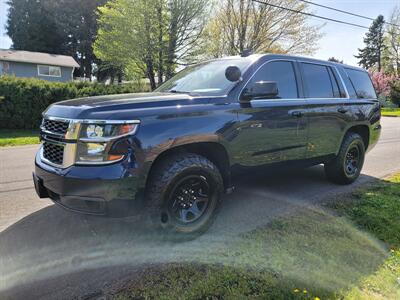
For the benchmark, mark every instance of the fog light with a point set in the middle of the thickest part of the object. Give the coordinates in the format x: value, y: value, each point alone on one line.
x: 91, y: 152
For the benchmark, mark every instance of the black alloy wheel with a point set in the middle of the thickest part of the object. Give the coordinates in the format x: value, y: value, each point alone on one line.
x: 189, y: 199
x: 352, y: 160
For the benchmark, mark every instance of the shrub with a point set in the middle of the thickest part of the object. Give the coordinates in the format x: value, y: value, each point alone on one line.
x: 395, y: 92
x: 22, y: 100
x: 382, y: 83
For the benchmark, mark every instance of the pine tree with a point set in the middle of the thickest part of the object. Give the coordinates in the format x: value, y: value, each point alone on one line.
x: 31, y: 27
x: 371, y: 55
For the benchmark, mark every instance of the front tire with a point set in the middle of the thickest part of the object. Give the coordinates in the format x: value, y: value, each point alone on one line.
x: 184, y: 194
x: 346, y: 167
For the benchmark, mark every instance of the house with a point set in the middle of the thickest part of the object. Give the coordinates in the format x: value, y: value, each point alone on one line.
x: 45, y: 66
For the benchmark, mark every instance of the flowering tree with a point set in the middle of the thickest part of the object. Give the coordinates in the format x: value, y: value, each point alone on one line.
x: 382, y: 82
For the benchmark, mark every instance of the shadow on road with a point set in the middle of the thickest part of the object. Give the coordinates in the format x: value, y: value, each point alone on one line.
x: 40, y: 252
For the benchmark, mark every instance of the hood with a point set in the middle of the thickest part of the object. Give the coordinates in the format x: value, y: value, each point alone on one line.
x: 138, y: 99
x: 114, y: 106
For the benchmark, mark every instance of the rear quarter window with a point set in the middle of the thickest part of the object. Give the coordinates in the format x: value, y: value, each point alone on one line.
x: 361, y: 83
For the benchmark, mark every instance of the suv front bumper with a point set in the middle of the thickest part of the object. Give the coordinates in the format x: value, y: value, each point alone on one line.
x: 114, y: 190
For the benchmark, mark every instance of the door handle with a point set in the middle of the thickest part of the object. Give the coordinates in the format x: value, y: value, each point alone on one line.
x: 297, y: 113
x: 342, y: 110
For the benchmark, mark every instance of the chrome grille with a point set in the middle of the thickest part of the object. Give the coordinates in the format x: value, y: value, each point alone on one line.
x: 55, y: 126
x: 54, y: 153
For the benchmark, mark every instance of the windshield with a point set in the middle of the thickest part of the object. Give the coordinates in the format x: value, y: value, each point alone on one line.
x: 206, y: 78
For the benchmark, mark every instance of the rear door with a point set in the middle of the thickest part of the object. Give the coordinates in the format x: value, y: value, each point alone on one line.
x: 273, y: 130
x: 328, y: 110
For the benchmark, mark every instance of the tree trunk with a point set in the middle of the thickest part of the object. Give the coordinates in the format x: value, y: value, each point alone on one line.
x: 379, y: 57
x: 150, y: 74
x: 380, y: 49
x: 160, y: 73
x: 88, y: 67
x: 170, y: 69
x: 119, y: 78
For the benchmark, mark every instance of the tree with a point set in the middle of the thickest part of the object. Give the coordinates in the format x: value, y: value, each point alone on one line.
x: 149, y: 37
x: 186, y: 23
x: 382, y: 82
x: 395, y: 92
x: 108, y: 70
x: 392, y: 42
x: 61, y: 27
x: 336, y: 60
x: 78, y: 21
x: 127, y: 35
x: 371, y: 55
x: 240, y: 25
x: 31, y: 27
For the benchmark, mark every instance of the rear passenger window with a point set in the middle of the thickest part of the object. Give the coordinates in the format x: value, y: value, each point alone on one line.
x: 320, y: 82
x: 282, y: 72
x: 362, y: 84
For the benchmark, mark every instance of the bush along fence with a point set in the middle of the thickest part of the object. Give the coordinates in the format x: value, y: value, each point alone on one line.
x: 22, y: 100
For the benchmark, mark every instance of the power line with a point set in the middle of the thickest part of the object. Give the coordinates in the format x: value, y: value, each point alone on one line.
x: 311, y: 15
x: 345, y: 12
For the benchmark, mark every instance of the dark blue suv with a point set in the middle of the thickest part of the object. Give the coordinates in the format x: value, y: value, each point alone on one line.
x: 173, y: 152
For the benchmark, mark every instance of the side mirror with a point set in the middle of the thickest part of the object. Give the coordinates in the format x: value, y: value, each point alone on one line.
x: 261, y: 89
x: 233, y: 73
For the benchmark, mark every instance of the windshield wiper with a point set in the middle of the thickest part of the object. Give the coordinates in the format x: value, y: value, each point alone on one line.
x: 178, y: 92
x: 183, y: 92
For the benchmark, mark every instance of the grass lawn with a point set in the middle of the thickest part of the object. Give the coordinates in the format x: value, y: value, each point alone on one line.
x: 350, y: 250
x: 391, y: 112
x: 18, y: 137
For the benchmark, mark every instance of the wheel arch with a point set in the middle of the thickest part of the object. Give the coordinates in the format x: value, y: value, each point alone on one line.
x: 214, y: 151
x: 363, y: 131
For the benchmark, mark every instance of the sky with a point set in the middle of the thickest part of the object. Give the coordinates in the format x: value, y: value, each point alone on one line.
x: 340, y: 41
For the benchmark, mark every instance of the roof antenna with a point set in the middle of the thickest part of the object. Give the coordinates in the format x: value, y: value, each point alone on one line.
x: 246, y: 52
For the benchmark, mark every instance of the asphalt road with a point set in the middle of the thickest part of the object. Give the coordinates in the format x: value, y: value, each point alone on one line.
x: 47, y: 252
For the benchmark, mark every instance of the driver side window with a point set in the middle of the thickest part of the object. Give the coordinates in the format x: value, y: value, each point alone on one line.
x: 281, y: 72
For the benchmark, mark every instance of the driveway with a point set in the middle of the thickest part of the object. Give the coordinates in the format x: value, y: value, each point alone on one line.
x: 48, y: 252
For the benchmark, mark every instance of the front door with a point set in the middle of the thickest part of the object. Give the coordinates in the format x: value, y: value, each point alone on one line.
x: 273, y: 130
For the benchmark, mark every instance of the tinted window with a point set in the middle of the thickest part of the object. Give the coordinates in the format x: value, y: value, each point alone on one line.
x: 282, y: 72
x: 318, y: 82
x: 361, y: 83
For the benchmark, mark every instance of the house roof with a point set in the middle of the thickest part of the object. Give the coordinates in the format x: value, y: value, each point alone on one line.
x: 37, y: 58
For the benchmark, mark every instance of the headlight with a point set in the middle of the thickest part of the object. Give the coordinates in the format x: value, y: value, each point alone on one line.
x: 95, y: 141
x: 105, y: 132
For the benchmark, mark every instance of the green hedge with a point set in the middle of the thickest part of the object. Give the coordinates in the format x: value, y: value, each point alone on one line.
x: 22, y: 100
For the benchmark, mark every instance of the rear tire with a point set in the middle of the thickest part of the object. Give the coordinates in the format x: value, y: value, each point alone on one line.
x: 183, y: 195
x: 346, y: 167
